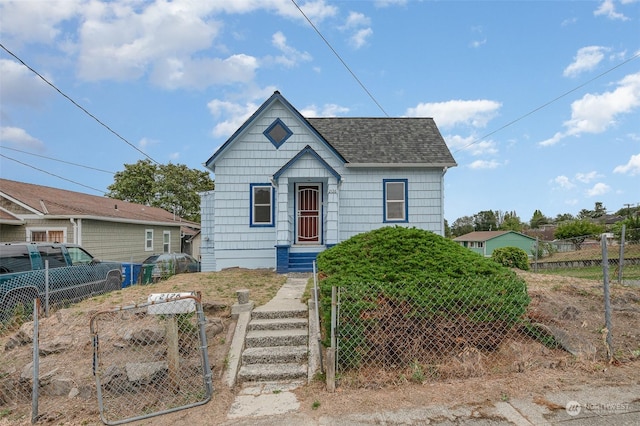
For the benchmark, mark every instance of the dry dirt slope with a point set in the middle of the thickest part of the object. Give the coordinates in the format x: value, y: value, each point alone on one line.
x: 551, y: 298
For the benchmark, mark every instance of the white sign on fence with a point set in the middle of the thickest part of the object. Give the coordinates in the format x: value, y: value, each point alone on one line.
x: 181, y: 306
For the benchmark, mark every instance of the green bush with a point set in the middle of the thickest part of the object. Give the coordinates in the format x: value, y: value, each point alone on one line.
x: 419, y: 274
x: 511, y: 257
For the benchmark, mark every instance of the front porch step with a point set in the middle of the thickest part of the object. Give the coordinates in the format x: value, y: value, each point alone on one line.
x: 272, y: 372
x: 259, y: 313
x: 275, y: 355
x: 268, y: 338
x: 278, y: 323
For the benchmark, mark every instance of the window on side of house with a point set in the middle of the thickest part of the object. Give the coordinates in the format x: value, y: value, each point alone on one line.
x: 262, y: 203
x: 148, y: 240
x: 395, y: 200
x: 166, y: 242
x: 42, y: 235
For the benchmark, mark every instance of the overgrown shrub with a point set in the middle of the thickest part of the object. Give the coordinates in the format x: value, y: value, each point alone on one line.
x: 511, y: 257
x: 395, y: 277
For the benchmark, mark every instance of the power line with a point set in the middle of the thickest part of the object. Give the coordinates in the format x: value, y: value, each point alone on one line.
x: 53, y: 174
x: 341, y: 60
x: 548, y: 103
x: 60, y: 161
x: 78, y: 105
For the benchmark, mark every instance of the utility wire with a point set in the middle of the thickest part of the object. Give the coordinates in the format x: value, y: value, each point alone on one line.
x: 78, y: 105
x: 636, y: 56
x: 53, y: 174
x: 60, y: 161
x: 341, y: 60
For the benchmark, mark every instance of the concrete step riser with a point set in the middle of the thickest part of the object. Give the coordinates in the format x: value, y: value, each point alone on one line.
x: 278, y: 324
x: 298, y: 313
x: 269, y: 372
x: 275, y: 355
x: 269, y: 341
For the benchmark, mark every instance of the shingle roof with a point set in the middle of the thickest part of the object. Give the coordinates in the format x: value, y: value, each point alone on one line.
x: 60, y: 202
x: 378, y: 141
x: 485, y: 235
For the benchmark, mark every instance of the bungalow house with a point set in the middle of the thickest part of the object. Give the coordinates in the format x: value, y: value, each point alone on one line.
x: 485, y: 242
x: 108, y: 228
x: 288, y: 187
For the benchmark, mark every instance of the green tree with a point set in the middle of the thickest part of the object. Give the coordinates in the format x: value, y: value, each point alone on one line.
x: 462, y: 225
x: 511, y: 222
x: 563, y: 217
x: 599, y: 210
x: 447, y: 229
x: 538, y: 219
x: 577, y: 231
x: 632, y: 229
x: 485, y: 221
x: 173, y: 187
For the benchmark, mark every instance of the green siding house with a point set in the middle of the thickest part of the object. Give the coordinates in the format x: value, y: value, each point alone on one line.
x: 485, y: 242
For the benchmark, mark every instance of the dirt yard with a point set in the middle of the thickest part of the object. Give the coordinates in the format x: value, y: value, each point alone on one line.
x: 569, y: 304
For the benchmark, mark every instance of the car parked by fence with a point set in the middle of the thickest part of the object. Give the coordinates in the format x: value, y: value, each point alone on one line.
x: 167, y: 264
x: 53, y: 272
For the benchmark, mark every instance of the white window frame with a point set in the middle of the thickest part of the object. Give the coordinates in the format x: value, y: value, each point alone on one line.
x: 30, y: 230
x: 148, y: 240
x: 166, y: 241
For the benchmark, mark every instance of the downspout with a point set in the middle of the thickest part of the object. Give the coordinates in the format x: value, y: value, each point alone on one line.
x: 444, y: 171
x: 77, y: 239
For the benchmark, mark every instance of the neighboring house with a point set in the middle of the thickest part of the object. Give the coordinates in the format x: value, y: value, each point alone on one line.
x: 108, y: 228
x: 485, y: 242
x: 288, y: 187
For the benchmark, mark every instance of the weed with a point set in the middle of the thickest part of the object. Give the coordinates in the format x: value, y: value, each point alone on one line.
x: 504, y: 397
x: 417, y: 374
x: 4, y: 413
x: 277, y: 391
x: 315, y: 405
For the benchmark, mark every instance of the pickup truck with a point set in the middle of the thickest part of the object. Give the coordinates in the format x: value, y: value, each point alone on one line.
x: 73, y: 274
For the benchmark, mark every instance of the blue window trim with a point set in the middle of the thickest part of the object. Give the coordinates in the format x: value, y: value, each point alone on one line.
x: 406, y: 201
x: 275, y: 143
x: 273, y: 199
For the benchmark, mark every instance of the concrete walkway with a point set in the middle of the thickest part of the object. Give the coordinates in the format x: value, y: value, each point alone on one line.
x: 258, y: 399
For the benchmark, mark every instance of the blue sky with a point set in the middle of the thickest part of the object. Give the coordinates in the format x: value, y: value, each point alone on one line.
x: 539, y: 101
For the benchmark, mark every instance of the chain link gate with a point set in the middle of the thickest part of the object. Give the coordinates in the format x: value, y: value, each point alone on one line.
x: 151, y: 359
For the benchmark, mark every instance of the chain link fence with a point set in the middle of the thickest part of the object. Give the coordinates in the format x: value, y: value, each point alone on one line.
x: 479, y: 328
x: 150, y: 359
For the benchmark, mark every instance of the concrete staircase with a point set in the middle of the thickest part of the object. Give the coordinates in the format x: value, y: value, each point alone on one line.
x: 276, y: 345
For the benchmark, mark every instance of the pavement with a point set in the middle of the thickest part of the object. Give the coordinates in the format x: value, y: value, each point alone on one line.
x: 275, y: 403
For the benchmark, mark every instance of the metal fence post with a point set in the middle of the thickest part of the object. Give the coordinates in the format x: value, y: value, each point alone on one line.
x: 36, y: 362
x: 46, y: 288
x: 621, y: 254
x: 607, y: 302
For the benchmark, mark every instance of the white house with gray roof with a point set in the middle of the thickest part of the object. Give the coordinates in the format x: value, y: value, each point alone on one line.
x: 288, y: 187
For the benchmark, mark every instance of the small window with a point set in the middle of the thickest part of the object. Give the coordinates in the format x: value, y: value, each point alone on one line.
x: 395, y: 200
x: 277, y: 133
x: 262, y: 197
x: 148, y: 240
x: 55, y: 235
x: 166, y: 242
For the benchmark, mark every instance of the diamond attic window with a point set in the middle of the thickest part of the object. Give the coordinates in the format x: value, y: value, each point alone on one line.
x: 278, y: 133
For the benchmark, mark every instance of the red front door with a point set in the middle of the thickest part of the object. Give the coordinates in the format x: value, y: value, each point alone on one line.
x: 308, y: 214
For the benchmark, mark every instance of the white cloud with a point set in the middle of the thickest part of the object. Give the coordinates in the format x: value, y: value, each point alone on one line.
x: 476, y: 113
x: 231, y: 114
x: 20, y: 86
x: 290, y: 57
x: 596, y: 113
x: 387, y: 3
x: 608, y: 9
x: 146, y: 142
x: 484, y: 164
x: 632, y: 167
x: 598, y: 189
x: 586, y: 59
x: 174, y: 156
x: 328, y: 110
x: 30, y: 21
x: 359, y: 39
x: 587, y: 177
x: 19, y: 137
x: 564, y: 182
x: 356, y: 20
